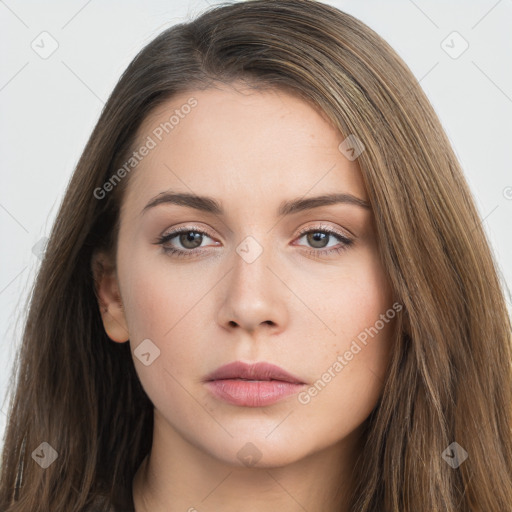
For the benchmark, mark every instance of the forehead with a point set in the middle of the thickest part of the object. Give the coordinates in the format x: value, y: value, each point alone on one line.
x: 240, y: 144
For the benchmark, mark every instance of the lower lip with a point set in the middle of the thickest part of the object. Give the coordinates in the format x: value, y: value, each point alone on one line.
x: 252, y: 393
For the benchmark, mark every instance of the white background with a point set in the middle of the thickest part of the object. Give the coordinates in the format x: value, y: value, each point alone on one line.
x: 50, y: 106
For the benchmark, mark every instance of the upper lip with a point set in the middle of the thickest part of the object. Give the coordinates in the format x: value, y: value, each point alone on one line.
x: 256, y: 371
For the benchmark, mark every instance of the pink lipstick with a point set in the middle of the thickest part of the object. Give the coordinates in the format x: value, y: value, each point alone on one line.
x: 252, y: 385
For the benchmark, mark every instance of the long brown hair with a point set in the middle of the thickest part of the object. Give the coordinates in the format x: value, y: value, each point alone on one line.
x: 450, y: 379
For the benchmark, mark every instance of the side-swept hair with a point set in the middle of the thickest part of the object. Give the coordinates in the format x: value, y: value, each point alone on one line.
x: 450, y: 377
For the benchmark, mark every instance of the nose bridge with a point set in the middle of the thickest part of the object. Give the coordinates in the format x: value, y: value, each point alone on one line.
x: 252, y: 247
x: 252, y: 256
x: 252, y: 292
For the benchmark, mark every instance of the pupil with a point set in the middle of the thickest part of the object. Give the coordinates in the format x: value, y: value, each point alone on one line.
x: 190, y: 239
x: 317, y: 239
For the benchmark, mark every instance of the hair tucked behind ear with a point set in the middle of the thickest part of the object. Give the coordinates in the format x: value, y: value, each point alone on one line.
x: 450, y: 379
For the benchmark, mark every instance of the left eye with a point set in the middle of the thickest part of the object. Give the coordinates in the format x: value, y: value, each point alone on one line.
x: 317, y: 238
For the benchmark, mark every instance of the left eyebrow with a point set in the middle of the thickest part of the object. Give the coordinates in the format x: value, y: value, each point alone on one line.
x: 298, y: 205
x: 210, y: 205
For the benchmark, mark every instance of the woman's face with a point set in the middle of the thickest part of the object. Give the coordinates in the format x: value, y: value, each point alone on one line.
x: 247, y: 282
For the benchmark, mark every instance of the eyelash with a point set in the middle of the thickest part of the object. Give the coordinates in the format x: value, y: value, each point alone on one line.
x: 180, y: 253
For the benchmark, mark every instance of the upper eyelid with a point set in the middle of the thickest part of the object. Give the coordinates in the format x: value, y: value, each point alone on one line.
x: 185, y: 229
x: 325, y: 227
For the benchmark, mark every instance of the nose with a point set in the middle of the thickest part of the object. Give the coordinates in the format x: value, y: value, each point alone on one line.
x: 255, y: 298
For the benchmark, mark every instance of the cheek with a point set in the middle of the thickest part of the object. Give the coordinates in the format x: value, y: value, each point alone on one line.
x: 159, y: 307
x: 354, y: 299
x: 163, y: 304
x: 158, y: 296
x: 357, y: 306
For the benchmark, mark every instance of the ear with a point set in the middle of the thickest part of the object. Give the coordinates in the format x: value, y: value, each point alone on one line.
x: 109, y: 298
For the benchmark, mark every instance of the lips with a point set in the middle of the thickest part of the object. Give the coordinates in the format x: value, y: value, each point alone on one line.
x: 255, y: 385
x: 256, y: 372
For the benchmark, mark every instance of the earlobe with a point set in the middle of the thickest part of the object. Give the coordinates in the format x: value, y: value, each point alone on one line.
x: 109, y: 298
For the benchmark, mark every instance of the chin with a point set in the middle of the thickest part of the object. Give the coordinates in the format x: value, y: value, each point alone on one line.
x: 255, y: 452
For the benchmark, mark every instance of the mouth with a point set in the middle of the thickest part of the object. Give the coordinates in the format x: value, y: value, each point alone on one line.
x: 252, y: 385
x: 253, y: 372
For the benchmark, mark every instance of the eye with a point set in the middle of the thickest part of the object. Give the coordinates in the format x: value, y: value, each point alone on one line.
x: 190, y: 239
x: 319, y: 238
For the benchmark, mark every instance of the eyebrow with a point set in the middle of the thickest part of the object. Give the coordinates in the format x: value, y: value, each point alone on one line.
x: 210, y: 205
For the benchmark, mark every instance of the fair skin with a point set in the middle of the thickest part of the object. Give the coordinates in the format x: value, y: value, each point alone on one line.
x: 294, y: 306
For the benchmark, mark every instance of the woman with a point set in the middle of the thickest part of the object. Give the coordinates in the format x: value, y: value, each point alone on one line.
x: 267, y: 288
